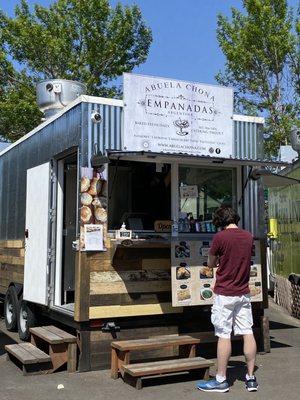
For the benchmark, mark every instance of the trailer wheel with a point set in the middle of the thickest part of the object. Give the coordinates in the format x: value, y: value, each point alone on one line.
x: 26, y: 319
x: 11, y: 309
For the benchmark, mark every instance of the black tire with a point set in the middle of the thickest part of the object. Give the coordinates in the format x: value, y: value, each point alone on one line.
x: 26, y: 319
x: 11, y: 309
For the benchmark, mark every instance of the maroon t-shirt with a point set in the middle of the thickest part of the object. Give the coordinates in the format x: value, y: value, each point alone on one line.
x: 233, y: 246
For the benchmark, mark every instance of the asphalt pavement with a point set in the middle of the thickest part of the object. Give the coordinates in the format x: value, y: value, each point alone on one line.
x: 278, y: 374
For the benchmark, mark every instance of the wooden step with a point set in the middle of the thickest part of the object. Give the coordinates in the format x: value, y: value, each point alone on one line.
x: 53, y: 335
x: 60, y: 345
x: 154, y: 343
x: 133, y: 373
x: 31, y: 359
x: 167, y: 366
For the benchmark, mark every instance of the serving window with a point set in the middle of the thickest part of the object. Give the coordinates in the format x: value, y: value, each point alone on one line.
x: 139, y: 194
x: 201, y: 191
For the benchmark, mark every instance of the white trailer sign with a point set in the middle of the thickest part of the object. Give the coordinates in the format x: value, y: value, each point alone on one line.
x: 173, y: 116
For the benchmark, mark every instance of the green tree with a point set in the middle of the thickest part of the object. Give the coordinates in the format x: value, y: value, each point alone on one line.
x: 261, y: 48
x: 87, y: 41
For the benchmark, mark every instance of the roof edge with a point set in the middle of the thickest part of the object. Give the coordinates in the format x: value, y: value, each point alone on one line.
x: 248, y: 118
x: 80, y: 99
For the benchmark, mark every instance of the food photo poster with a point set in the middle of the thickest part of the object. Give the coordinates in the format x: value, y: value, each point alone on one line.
x: 193, y: 280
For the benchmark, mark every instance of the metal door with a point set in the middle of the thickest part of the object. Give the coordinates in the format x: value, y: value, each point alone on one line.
x: 70, y: 219
x: 36, y: 268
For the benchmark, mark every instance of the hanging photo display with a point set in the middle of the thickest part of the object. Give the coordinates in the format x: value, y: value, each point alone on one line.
x: 193, y: 280
x: 93, y: 210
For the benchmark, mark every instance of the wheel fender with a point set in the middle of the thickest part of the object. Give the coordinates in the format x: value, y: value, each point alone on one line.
x: 18, y: 287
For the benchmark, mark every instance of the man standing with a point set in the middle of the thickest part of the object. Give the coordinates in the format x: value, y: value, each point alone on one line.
x: 231, y: 252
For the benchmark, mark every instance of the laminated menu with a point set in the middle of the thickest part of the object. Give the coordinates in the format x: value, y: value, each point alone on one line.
x: 193, y: 280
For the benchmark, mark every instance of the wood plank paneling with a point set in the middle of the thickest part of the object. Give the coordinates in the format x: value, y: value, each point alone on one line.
x: 133, y: 310
x: 3, y: 288
x: 129, y: 287
x: 7, y: 259
x: 130, y: 298
x: 11, y: 263
x: 82, y: 288
x: 156, y: 263
x: 130, y: 276
x: 12, y: 268
x: 12, y: 244
x: 134, y: 333
x: 12, y: 252
x: 107, y: 264
x: 101, y: 350
x: 138, y: 277
x: 83, y: 340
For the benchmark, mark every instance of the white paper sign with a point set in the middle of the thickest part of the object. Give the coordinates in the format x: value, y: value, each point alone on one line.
x: 93, y: 236
x: 172, y: 116
x: 189, y: 191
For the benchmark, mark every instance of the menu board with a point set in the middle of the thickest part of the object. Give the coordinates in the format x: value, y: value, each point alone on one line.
x: 255, y: 284
x: 192, y: 279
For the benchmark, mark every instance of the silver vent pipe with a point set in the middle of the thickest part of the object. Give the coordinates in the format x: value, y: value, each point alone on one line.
x: 295, y: 139
x: 55, y: 94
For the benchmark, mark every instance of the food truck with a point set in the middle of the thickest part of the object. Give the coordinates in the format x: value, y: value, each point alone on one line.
x: 106, y: 212
x: 284, y: 223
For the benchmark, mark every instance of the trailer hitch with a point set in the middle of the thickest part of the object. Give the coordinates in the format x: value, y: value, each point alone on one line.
x: 111, y: 328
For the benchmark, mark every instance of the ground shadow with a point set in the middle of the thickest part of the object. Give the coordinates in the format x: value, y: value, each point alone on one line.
x: 237, y: 371
x: 4, y: 339
x: 209, y: 350
x: 277, y: 345
x: 174, y: 378
x: 279, y: 325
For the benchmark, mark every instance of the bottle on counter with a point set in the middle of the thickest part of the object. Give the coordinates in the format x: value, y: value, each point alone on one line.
x: 175, y: 227
x: 207, y: 226
x: 192, y: 223
x: 180, y: 225
x: 186, y: 224
x: 198, y: 225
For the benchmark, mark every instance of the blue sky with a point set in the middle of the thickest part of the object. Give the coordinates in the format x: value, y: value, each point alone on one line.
x: 184, y: 36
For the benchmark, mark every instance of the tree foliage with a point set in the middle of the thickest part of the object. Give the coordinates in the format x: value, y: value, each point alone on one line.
x: 87, y: 41
x: 261, y: 47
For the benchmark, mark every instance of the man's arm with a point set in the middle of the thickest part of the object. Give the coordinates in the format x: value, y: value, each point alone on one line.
x: 213, y: 253
x: 212, y: 261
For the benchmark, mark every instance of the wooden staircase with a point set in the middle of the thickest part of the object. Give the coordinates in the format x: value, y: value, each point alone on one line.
x: 133, y: 373
x: 50, y: 349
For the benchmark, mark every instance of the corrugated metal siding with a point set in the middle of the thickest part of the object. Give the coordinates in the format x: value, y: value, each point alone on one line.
x: 60, y: 135
x: 3, y: 145
x: 105, y: 135
x: 248, y: 140
x: 248, y: 144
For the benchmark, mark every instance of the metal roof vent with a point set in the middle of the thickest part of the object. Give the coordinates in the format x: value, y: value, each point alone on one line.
x: 295, y: 139
x: 55, y: 94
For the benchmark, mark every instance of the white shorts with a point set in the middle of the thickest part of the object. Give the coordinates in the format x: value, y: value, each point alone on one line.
x: 232, y: 312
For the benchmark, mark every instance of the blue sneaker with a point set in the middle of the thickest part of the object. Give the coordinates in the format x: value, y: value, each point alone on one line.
x: 213, y: 386
x: 251, y: 384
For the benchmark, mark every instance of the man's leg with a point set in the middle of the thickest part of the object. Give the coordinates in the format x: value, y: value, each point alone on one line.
x: 223, y: 355
x: 250, y: 352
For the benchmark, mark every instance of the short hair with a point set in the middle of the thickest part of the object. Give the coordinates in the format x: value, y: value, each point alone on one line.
x: 225, y: 216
